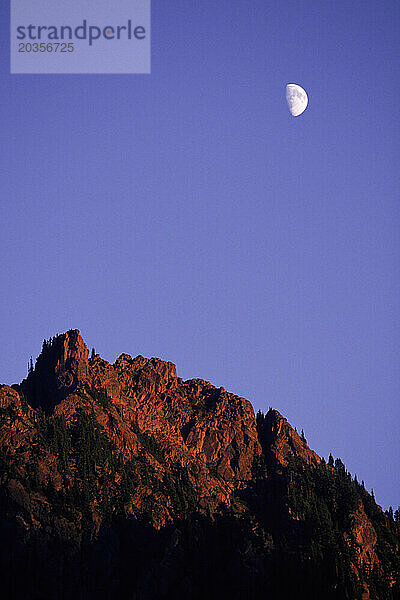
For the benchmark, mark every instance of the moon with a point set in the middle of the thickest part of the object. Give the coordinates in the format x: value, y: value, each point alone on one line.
x: 296, y: 98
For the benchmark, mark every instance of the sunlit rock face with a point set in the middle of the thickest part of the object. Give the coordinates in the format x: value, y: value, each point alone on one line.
x: 284, y: 442
x: 205, y: 429
x: 62, y: 365
x: 122, y: 480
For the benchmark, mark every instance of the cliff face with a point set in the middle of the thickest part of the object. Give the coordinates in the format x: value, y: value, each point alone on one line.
x: 60, y: 368
x: 110, y: 461
x: 284, y: 442
x: 208, y: 432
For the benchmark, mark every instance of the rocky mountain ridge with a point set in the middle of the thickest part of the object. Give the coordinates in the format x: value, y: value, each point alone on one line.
x: 92, y: 450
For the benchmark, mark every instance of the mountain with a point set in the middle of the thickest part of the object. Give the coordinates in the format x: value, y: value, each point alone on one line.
x: 123, y: 481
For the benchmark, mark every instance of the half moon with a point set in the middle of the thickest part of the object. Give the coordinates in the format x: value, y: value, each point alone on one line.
x: 296, y: 98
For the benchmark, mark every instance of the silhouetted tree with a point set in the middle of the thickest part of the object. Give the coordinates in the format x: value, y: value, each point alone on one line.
x: 339, y: 465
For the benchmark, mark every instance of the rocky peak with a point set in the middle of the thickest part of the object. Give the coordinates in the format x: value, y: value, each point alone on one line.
x: 158, y: 373
x: 284, y: 441
x: 60, y: 367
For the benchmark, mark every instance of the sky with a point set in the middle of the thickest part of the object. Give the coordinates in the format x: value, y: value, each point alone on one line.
x: 187, y: 215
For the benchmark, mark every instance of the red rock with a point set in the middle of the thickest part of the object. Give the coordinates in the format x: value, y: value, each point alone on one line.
x: 155, y: 421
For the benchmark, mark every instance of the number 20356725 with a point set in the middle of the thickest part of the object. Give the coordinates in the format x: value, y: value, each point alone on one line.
x: 61, y: 47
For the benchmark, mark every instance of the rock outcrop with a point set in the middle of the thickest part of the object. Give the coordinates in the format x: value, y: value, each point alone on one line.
x: 284, y: 441
x: 60, y: 368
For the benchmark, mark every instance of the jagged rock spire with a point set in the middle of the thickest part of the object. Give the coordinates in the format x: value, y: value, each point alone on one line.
x: 61, y: 366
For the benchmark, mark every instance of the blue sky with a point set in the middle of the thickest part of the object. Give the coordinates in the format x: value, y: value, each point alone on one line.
x: 185, y: 214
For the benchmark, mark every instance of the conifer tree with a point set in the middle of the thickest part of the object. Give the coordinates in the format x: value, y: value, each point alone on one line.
x: 339, y: 465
